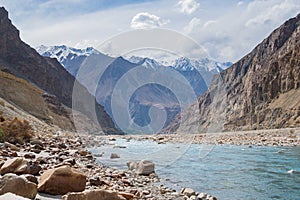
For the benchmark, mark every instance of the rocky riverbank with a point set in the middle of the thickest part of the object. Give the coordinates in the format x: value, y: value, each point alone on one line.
x: 34, y: 165
x: 56, y: 163
x: 274, y: 137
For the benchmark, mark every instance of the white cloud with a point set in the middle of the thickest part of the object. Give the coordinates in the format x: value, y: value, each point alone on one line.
x: 147, y: 20
x: 196, y: 26
x: 193, y: 25
x: 237, y: 29
x: 188, y: 6
x: 272, y: 12
x: 234, y: 34
x: 227, y: 52
x: 209, y: 23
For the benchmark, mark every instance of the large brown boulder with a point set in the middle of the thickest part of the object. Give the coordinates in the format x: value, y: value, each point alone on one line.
x: 17, y: 185
x: 15, y: 165
x: 97, y: 194
x: 61, y: 180
x: 19, y: 166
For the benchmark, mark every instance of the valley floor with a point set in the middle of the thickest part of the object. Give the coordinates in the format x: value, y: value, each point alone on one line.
x: 67, y: 148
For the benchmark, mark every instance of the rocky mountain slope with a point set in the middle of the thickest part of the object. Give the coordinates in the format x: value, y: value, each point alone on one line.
x: 31, y: 99
x: 92, y: 63
x: 260, y: 91
x: 19, y: 59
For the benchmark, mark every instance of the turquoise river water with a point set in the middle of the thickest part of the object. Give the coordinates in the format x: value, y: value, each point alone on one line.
x: 225, y: 171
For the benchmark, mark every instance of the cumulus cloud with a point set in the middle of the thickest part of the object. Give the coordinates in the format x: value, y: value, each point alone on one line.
x: 188, y: 6
x: 225, y: 35
x: 231, y: 35
x: 193, y: 25
x: 196, y: 25
x: 147, y: 20
x: 272, y: 13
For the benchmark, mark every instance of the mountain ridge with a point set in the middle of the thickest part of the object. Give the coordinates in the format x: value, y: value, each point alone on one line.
x: 255, y: 86
x: 196, y: 72
x: 20, y: 60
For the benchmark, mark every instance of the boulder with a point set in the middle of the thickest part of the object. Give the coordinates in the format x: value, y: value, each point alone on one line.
x: 114, y: 155
x: 15, y: 165
x: 30, y: 178
x: 17, y: 185
x: 144, y: 167
x: 132, y: 165
x: 97, y: 194
x: 11, y: 146
x: 188, y: 192
x: 19, y: 166
x: 61, y: 180
x: 202, y: 195
x: 33, y: 169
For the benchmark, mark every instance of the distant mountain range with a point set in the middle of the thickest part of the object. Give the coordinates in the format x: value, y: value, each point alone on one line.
x: 86, y: 64
x: 260, y: 91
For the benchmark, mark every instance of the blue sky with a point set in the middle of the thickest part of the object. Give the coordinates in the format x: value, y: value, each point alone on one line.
x: 227, y: 29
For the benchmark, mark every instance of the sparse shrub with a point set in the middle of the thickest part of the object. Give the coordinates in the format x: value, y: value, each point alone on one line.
x: 15, y: 131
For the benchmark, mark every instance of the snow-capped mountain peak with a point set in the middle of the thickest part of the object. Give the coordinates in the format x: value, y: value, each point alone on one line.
x: 63, y: 53
x: 146, y: 62
x: 186, y: 64
x: 183, y: 64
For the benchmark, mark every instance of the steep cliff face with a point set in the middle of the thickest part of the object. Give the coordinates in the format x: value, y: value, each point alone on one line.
x: 19, y: 59
x: 260, y: 91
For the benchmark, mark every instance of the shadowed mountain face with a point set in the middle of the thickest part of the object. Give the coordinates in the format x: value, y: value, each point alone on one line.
x: 260, y: 91
x: 19, y: 59
x: 101, y: 73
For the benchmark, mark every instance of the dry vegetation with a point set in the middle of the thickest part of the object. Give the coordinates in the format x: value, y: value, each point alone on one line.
x: 14, y: 131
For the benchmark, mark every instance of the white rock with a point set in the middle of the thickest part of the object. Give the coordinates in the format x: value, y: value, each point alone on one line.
x: 145, y: 167
x: 188, y: 192
x: 10, y: 196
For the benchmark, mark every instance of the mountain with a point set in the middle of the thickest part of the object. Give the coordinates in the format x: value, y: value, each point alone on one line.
x: 20, y: 60
x: 206, y: 67
x: 70, y: 58
x: 194, y: 70
x: 107, y: 71
x: 260, y: 91
x: 31, y: 99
